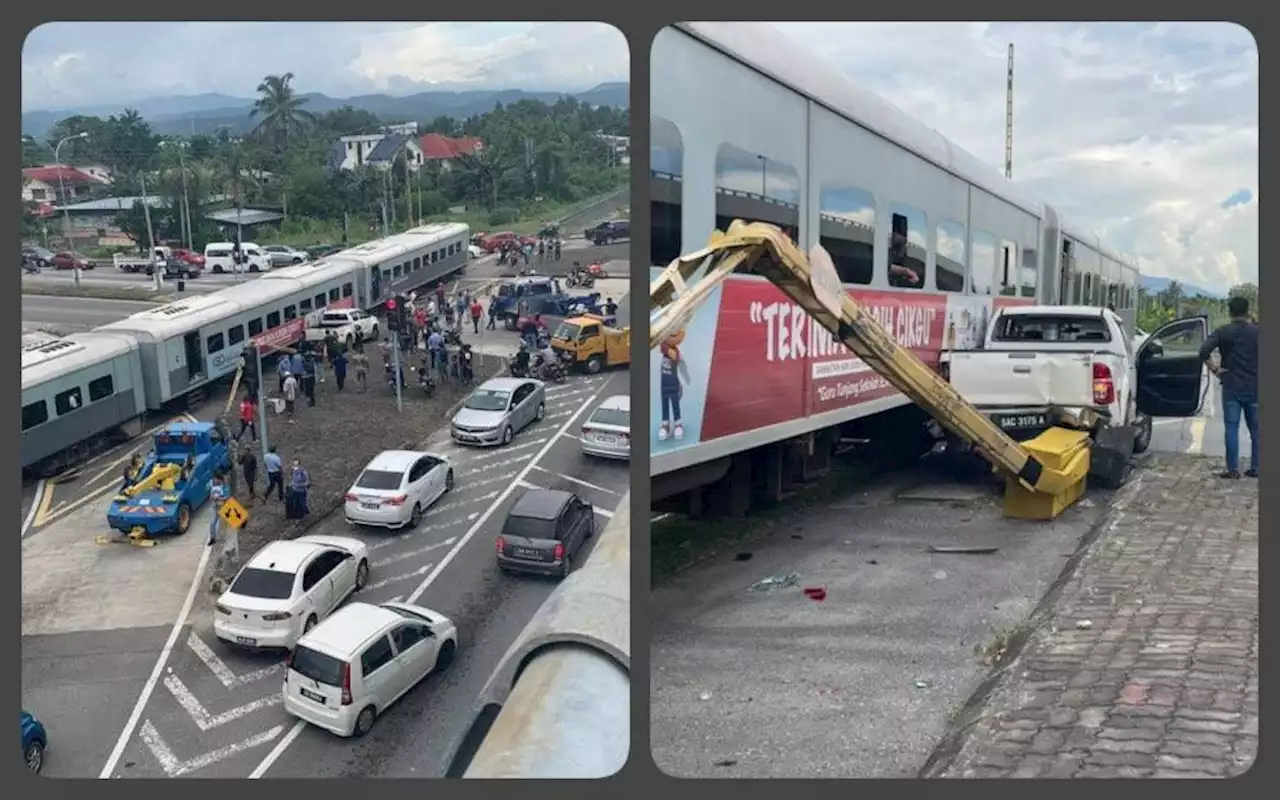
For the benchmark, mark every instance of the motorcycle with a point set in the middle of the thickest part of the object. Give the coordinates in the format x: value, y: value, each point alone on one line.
x: 552, y: 371
x: 516, y: 370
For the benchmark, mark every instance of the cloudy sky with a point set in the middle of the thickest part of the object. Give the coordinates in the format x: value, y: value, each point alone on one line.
x: 66, y: 64
x: 1146, y: 133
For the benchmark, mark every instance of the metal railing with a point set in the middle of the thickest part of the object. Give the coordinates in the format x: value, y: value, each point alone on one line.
x: 559, y: 703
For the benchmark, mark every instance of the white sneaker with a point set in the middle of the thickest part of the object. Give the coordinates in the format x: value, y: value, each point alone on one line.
x: 662, y: 433
x: 679, y: 431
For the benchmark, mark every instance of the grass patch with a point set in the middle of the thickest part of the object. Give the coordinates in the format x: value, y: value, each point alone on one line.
x: 95, y: 291
x: 993, y: 652
x: 679, y: 542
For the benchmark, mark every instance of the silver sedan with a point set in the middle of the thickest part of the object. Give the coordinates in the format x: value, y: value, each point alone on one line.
x: 498, y: 410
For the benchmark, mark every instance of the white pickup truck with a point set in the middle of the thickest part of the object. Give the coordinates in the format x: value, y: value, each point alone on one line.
x: 350, y: 325
x: 1036, y: 361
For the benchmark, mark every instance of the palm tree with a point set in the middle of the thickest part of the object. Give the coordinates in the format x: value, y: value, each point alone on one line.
x: 281, y: 119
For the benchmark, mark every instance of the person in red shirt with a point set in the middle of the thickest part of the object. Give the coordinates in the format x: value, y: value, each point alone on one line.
x: 248, y: 418
x: 477, y: 311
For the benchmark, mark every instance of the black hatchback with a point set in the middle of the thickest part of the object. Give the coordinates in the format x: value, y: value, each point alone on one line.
x: 544, y: 531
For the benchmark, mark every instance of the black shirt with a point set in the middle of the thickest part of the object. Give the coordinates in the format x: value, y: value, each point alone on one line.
x: 1237, y: 344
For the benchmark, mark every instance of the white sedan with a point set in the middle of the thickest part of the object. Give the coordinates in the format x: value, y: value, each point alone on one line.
x: 607, y: 432
x: 397, y: 487
x: 287, y: 588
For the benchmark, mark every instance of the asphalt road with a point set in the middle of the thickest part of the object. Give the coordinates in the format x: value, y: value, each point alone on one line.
x: 216, y: 713
x: 1202, y: 434
x: 72, y: 314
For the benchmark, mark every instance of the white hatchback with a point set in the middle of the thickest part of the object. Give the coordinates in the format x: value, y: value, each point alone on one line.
x: 397, y: 487
x: 349, y: 670
x: 287, y: 588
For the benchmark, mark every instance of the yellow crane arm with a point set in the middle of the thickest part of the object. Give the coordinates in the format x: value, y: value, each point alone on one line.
x: 160, y: 474
x: 765, y: 250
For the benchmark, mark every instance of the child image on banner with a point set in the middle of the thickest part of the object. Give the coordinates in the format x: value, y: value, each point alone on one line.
x: 674, y: 374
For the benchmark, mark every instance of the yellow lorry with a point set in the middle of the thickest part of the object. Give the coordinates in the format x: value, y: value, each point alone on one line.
x: 589, y: 343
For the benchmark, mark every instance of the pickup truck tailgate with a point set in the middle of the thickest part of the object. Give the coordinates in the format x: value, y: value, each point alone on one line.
x: 1020, y: 379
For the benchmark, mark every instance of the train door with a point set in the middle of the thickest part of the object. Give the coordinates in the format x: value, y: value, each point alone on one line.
x: 195, y: 357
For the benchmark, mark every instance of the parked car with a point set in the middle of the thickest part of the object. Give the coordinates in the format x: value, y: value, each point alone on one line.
x: 498, y: 410
x: 41, y: 256
x: 544, y: 532
x: 607, y: 432
x: 614, y: 230
x: 475, y: 251
x: 69, y: 259
x: 396, y: 488
x: 494, y: 241
x: 219, y: 257
x: 283, y: 255
x: 351, y: 668
x: 35, y: 741
x: 188, y: 257
x: 287, y: 588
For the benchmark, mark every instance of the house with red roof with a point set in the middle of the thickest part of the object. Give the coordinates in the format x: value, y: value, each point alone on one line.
x: 441, y: 151
x: 44, y: 184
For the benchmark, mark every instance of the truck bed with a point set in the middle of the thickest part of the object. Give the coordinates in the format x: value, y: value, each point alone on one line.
x: 1022, y: 378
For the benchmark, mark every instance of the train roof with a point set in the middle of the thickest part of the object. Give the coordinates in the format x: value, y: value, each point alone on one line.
x: 379, y: 250
x: 195, y: 311
x: 45, y: 359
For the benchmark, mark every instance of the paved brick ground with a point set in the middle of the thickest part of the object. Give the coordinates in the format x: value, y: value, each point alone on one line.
x: 1146, y: 663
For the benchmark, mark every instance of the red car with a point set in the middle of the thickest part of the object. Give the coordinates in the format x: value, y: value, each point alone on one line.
x: 188, y: 257
x: 69, y: 259
x: 495, y: 241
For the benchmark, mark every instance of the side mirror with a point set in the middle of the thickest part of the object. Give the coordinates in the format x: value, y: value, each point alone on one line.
x: 1152, y: 349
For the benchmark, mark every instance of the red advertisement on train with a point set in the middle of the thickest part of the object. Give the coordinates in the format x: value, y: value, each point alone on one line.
x: 772, y: 364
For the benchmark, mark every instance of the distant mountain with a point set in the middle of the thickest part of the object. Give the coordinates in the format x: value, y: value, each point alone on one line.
x: 1155, y: 284
x: 206, y: 113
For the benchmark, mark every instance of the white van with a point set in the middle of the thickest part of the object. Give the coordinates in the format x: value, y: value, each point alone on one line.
x: 218, y: 258
x: 348, y: 670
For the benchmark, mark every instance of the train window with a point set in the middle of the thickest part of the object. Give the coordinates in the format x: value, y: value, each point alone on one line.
x: 417, y: 263
x: 320, y: 300
x: 68, y: 401
x: 1077, y: 286
x: 101, y: 387
x: 34, y: 414
x: 1030, y: 272
x: 756, y: 188
x: 982, y: 264
x: 1113, y: 296
x: 907, y: 247
x: 215, y: 343
x: 395, y: 271
x: 273, y: 319
x: 333, y: 295
x: 236, y: 335
x: 1086, y: 298
x: 255, y: 326
x: 304, y: 306
x: 949, y: 253
x: 847, y: 231
x: 666, y: 171
x: 1007, y: 267
x: 347, y: 290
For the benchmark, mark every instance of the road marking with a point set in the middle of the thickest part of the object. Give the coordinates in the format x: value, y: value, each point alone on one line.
x: 495, y: 479
x: 173, y: 767
x: 415, y: 533
x: 562, y: 414
x: 505, y: 463
x: 36, y: 501
x: 580, y: 482
x: 150, y: 685
x: 571, y: 436
x: 202, y: 718
x: 503, y: 451
x: 1168, y: 421
x: 460, y: 504
x: 602, y: 512
x: 279, y: 749
x: 396, y: 599
x: 526, y: 485
x: 423, y: 570
x: 411, y: 553
x: 1197, y: 435
x: 219, y: 667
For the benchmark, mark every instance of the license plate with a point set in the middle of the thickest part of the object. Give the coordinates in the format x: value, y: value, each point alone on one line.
x: 319, y: 698
x: 245, y: 640
x: 606, y: 440
x: 1015, y: 421
x: 524, y: 552
x: 371, y: 505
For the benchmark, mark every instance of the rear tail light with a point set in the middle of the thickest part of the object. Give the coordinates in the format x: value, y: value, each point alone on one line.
x: 346, y: 684
x: 559, y: 551
x: 1104, y: 387
x: 587, y: 431
x: 398, y: 500
x: 350, y: 498
x: 279, y: 616
x: 222, y: 609
x: 502, y: 545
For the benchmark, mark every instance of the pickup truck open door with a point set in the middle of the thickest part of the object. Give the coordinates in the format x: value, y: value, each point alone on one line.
x: 1170, y: 372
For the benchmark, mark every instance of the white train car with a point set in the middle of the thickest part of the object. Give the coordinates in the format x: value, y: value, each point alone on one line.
x: 933, y: 240
x: 77, y: 391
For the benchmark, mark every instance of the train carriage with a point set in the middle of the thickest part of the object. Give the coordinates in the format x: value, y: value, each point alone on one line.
x: 924, y: 234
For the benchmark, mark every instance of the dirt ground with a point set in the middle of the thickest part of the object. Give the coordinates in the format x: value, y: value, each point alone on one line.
x: 335, y: 439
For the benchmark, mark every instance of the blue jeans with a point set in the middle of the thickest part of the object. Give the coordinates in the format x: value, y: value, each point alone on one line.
x: 215, y: 523
x: 1234, y: 404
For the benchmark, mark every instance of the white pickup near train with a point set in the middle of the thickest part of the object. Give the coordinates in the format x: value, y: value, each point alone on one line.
x: 81, y: 391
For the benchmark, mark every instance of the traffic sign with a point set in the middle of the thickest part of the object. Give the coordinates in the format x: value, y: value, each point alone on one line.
x: 233, y: 513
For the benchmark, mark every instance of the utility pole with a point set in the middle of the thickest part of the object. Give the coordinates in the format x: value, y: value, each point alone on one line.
x: 1008, y: 119
x: 262, y: 405
x: 408, y: 191
x: 156, y: 272
x: 186, y: 206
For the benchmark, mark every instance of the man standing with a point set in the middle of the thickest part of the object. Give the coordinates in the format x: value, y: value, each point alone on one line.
x: 249, y: 468
x: 290, y: 395
x: 248, y: 418
x: 299, y: 484
x: 275, y: 474
x: 1237, y: 369
x: 309, y: 370
x: 361, y: 363
x: 340, y: 368
x: 476, y: 312
x: 218, y: 496
x: 435, y: 346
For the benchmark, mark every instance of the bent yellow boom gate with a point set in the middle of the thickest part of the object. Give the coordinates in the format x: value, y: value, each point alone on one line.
x: 1042, y: 477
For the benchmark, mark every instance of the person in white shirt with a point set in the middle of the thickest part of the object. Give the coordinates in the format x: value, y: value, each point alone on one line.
x: 217, y: 496
x: 290, y: 394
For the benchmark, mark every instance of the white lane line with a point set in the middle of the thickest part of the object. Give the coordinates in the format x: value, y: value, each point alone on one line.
x: 396, y: 599
x: 1196, y: 445
x: 173, y: 767
x: 150, y: 685
x: 526, y: 485
x: 511, y: 448
x: 279, y: 749
x: 602, y: 512
x: 571, y: 436
x: 35, y: 506
x: 219, y: 667
x: 562, y: 415
x: 495, y: 479
x: 460, y: 504
x: 580, y: 482
x: 423, y: 570
x: 411, y: 553
x: 505, y: 463
x: 201, y: 716
x: 415, y: 533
